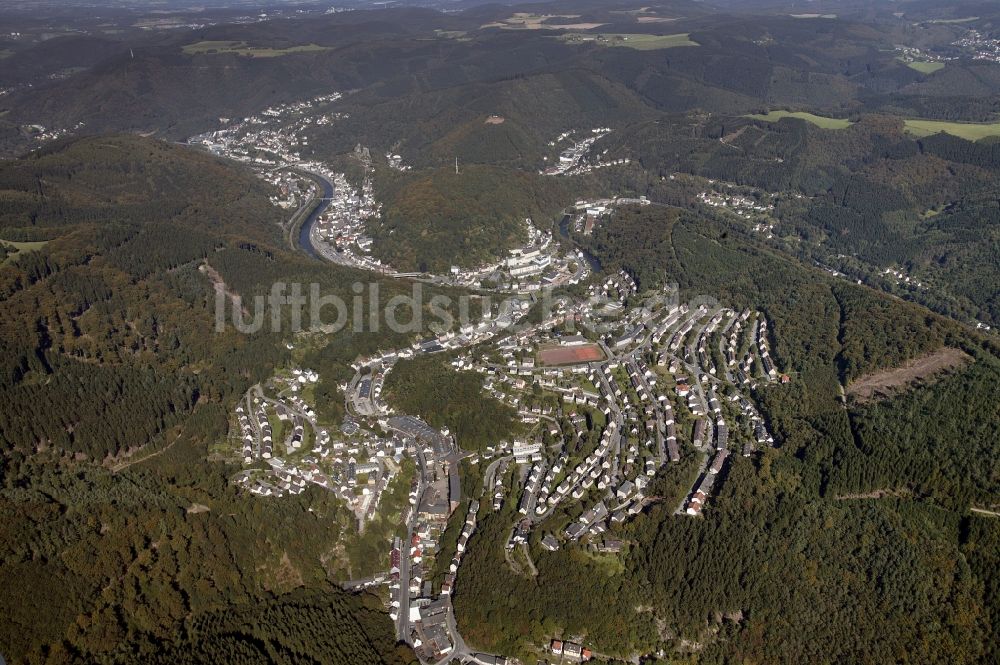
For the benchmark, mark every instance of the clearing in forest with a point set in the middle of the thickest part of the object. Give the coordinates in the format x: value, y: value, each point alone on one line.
x: 916, y: 370
x: 818, y: 120
x: 528, y: 21
x: 925, y: 66
x: 970, y: 131
x: 13, y: 248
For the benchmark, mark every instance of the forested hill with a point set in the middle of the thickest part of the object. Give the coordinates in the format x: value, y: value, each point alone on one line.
x: 108, y: 337
x: 109, y: 358
x: 118, y: 178
x: 437, y: 219
x: 423, y: 74
x: 107, y: 322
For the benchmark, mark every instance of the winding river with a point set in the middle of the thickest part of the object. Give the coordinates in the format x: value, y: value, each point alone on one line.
x: 305, y: 241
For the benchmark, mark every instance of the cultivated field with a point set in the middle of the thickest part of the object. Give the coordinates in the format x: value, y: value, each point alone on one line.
x: 637, y: 41
x: 818, y: 120
x: 915, y: 371
x: 570, y: 355
x: 645, y: 15
x: 242, y: 48
x: 966, y: 130
x: 526, y: 21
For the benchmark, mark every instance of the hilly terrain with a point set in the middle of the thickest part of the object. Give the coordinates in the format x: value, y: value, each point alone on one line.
x: 824, y: 173
x: 111, y: 358
x: 910, y: 191
x: 863, y: 199
x: 437, y: 219
x: 807, y: 540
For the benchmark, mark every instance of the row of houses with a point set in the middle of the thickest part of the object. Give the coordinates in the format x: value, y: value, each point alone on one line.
x: 570, y: 159
x: 764, y: 348
x: 247, y: 433
x: 696, y: 502
x: 570, y: 650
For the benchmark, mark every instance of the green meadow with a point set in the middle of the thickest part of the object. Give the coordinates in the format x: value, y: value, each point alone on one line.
x: 967, y: 130
x: 946, y: 21
x: 818, y: 120
x: 21, y: 247
x: 925, y: 67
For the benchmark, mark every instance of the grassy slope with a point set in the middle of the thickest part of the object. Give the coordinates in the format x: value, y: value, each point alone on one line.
x: 819, y: 121
x: 925, y: 67
x: 965, y: 130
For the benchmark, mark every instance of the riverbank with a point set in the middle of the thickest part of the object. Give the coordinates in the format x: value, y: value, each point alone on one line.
x: 303, y: 229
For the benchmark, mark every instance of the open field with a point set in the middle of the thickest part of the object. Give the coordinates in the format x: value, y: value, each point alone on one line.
x: 570, y: 355
x: 645, y: 15
x: 22, y: 247
x: 925, y: 67
x: 460, y: 35
x: 945, y: 21
x: 917, y: 370
x: 818, y: 120
x: 813, y: 15
x: 966, y: 130
x: 526, y: 21
x: 242, y: 48
x: 637, y: 41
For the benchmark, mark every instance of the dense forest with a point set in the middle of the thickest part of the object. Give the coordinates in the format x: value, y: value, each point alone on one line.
x: 108, y: 322
x: 426, y: 386
x: 319, y: 627
x: 129, y: 566
x: 438, y: 219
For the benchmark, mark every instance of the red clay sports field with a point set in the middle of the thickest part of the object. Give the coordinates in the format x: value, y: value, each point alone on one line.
x: 570, y: 355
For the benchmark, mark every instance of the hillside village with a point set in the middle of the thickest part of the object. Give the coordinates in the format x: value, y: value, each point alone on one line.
x: 578, y: 158
x: 608, y: 391
x: 272, y: 143
x: 980, y: 46
x: 602, y: 412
